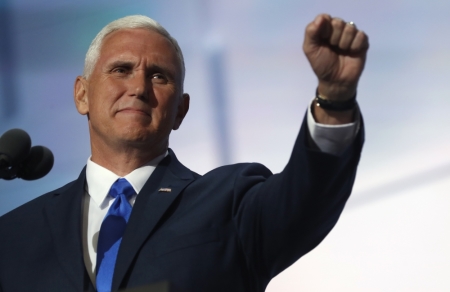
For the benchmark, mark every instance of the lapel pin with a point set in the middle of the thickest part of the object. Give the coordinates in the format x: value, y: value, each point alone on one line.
x: 165, y: 190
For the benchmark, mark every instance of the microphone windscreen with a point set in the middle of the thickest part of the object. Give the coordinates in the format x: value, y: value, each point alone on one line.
x: 38, y: 163
x: 15, y: 146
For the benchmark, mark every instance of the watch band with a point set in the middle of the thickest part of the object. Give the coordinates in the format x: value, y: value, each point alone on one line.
x: 335, y: 105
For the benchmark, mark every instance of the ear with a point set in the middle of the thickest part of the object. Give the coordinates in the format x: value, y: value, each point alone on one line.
x: 80, y: 95
x: 182, y: 110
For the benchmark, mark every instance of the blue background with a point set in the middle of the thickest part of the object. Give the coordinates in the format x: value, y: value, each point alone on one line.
x: 250, y: 85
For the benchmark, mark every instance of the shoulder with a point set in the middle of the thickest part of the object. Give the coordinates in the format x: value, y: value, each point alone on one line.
x: 241, y: 176
x: 31, y: 208
x: 223, y: 172
x: 240, y: 169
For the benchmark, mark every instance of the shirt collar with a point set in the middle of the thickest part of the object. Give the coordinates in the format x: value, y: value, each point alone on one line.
x: 99, y: 179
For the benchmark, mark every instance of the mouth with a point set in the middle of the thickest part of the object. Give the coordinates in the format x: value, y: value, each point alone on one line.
x: 130, y: 110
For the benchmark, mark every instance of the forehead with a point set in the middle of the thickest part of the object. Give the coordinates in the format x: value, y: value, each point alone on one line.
x: 138, y: 43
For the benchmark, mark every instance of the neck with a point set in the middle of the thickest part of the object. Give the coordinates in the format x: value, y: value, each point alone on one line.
x: 125, y: 160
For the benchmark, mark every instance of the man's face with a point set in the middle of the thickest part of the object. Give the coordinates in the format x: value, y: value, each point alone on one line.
x: 133, y: 96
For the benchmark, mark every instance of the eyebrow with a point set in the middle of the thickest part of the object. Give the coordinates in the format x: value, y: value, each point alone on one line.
x: 120, y: 63
x: 129, y: 64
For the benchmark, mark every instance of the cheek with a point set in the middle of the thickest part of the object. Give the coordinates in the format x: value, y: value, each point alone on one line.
x: 170, y: 111
x: 104, y: 98
x: 167, y: 101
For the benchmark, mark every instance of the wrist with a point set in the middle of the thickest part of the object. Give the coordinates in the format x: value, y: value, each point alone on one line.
x: 330, y: 117
x: 336, y: 91
x: 335, y: 105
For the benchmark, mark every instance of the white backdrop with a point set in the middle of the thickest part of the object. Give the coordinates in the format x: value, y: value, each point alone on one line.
x: 394, y: 232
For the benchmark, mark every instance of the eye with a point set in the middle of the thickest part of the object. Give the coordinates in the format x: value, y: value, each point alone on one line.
x: 120, y: 70
x: 159, y: 78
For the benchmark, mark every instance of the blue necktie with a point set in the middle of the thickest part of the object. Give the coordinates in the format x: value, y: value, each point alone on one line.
x: 111, y: 232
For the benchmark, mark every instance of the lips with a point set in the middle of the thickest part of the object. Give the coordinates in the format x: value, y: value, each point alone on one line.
x: 133, y: 110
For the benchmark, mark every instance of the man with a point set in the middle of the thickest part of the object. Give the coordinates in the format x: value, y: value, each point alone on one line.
x: 136, y: 215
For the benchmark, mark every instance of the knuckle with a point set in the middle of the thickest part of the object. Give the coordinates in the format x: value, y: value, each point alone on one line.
x: 337, y: 22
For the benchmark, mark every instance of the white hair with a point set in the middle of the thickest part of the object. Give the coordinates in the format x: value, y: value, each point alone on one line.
x: 132, y: 21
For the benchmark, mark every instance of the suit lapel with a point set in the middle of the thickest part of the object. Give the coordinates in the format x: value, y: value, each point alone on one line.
x: 63, y: 214
x: 159, y: 192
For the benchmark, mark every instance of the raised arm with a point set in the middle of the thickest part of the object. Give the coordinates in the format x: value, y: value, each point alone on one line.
x: 281, y: 217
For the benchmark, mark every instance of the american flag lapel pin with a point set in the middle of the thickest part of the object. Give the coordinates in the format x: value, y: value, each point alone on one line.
x: 165, y: 190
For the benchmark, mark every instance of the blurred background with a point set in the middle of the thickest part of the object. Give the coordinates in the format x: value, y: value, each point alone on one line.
x: 250, y: 85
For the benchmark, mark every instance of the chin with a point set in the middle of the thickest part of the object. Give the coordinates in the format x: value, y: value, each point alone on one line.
x: 137, y: 136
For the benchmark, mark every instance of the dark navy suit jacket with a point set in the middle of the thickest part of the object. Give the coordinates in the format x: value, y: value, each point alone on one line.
x: 232, y: 229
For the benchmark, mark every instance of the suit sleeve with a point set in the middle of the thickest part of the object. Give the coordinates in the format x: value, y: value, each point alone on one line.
x: 281, y: 217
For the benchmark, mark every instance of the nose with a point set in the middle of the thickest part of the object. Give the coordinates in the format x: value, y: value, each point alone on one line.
x: 139, y: 86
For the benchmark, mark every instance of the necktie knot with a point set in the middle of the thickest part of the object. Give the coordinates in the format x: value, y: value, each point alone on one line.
x: 121, y: 187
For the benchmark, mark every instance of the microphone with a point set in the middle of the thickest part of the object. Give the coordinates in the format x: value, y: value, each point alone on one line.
x: 19, y: 160
x: 14, y: 148
x: 38, y: 163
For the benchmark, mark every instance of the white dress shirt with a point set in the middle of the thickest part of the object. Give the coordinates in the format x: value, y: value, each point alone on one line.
x: 97, y: 202
x: 331, y: 139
